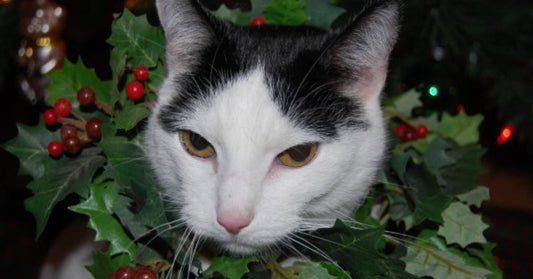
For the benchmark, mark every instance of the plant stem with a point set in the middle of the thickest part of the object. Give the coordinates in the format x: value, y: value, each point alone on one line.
x: 69, y: 121
x: 103, y: 107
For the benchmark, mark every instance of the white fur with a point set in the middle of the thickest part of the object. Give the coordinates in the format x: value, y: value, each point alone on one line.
x: 248, y: 131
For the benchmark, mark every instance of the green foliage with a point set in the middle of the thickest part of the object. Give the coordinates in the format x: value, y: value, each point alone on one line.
x: 231, y: 268
x: 99, y: 209
x: 424, y: 191
x: 142, y: 43
x: 286, y: 12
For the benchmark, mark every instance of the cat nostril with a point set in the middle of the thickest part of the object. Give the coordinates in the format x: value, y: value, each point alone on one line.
x: 233, y: 223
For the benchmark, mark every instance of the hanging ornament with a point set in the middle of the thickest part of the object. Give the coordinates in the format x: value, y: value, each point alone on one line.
x: 41, y: 48
x: 433, y: 90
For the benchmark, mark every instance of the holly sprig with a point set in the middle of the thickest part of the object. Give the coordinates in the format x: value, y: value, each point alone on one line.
x: 426, y: 192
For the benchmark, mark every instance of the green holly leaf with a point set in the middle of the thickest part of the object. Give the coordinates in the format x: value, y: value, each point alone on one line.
x: 73, y: 76
x: 427, y: 195
x: 104, y: 264
x: 476, y: 196
x: 315, y: 271
x: 231, y: 268
x: 322, y: 13
x: 429, y: 256
x: 126, y: 161
x: 286, y: 12
x: 131, y: 115
x: 31, y: 148
x: 347, y: 245
x: 61, y: 178
x: 235, y: 16
x: 406, y: 102
x: 462, y: 226
x: 436, y: 156
x: 461, y: 128
x: 399, y: 206
x: 398, y: 162
x: 117, y: 62
x: 334, y: 270
x: 144, y: 43
x: 157, y: 75
x: 486, y: 259
x: 460, y: 177
x: 99, y: 209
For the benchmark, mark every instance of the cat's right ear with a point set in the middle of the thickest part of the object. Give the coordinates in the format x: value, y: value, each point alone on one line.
x: 187, y: 31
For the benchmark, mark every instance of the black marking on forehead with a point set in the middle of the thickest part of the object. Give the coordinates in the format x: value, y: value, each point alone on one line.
x: 287, y: 54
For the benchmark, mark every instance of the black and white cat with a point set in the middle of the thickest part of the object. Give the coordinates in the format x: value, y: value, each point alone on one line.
x: 260, y: 132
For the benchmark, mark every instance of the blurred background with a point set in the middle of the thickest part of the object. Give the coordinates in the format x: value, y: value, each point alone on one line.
x: 464, y: 56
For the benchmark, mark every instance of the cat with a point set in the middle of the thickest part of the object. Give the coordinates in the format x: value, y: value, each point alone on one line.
x: 260, y: 132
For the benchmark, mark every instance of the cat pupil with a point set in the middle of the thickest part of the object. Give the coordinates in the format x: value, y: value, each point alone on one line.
x: 198, y: 142
x: 299, y: 153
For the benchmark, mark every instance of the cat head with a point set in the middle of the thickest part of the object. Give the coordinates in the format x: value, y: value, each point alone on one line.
x: 260, y: 132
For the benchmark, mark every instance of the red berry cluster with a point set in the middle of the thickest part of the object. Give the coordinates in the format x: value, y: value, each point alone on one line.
x: 135, y: 89
x: 408, y: 133
x: 140, y: 272
x: 74, y: 131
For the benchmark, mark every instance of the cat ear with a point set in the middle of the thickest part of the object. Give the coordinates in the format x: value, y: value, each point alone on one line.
x: 361, y: 53
x: 187, y: 31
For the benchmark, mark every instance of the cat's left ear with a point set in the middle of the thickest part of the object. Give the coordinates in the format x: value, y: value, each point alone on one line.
x: 361, y: 53
x: 187, y: 31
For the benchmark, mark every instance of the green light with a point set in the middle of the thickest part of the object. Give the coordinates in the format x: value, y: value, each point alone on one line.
x: 433, y: 91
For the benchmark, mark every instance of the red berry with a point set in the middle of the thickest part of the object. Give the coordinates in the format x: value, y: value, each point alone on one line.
x: 54, y: 148
x: 421, y: 131
x: 141, y: 73
x: 50, y: 116
x: 86, y: 96
x: 125, y: 272
x: 409, y: 135
x: 63, y: 107
x: 257, y: 21
x: 400, y: 130
x: 93, y: 128
x: 68, y: 131
x: 134, y: 90
x: 144, y: 273
x: 72, y: 145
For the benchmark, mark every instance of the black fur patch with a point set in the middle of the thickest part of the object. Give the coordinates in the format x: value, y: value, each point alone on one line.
x: 303, y: 85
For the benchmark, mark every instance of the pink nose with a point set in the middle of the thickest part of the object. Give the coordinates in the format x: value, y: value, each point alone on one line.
x: 234, y: 222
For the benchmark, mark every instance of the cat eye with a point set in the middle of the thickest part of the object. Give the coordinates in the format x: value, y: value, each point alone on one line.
x: 196, y: 145
x: 298, y: 156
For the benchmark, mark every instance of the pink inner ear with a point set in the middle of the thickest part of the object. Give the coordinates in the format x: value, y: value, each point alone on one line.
x: 369, y: 84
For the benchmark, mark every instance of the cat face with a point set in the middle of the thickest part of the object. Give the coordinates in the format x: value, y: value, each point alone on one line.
x: 261, y: 132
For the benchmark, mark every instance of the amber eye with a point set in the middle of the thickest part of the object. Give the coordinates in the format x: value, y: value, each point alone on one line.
x: 298, y: 156
x: 196, y: 145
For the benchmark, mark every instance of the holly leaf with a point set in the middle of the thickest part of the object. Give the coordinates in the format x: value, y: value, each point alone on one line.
x: 429, y: 200
x: 117, y: 62
x: 131, y: 115
x: 235, y: 16
x: 144, y: 43
x: 322, y: 13
x: 31, y: 148
x: 406, y: 102
x: 104, y: 264
x: 398, y: 162
x: 462, y: 226
x: 286, y: 12
x: 460, y: 177
x: 315, y: 271
x: 231, y: 268
x: 73, y: 76
x: 436, y: 156
x: 429, y: 256
x: 99, y: 209
x: 126, y: 161
x: 61, y: 178
x: 475, y: 197
x: 359, y: 252
x: 461, y: 128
